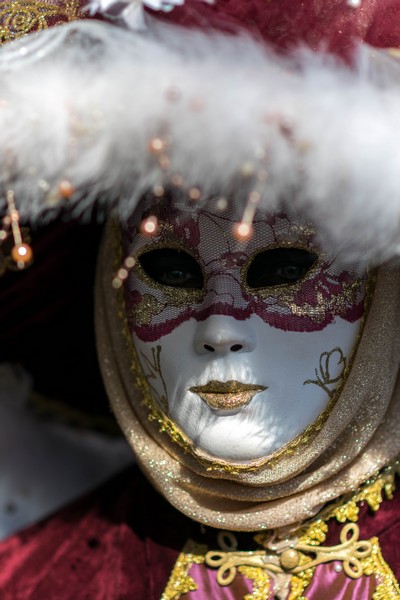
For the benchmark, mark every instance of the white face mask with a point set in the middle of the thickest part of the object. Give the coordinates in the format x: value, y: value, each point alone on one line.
x: 243, y: 344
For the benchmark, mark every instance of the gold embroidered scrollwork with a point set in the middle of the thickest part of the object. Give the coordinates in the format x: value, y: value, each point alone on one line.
x: 19, y: 17
x: 291, y: 561
x: 297, y: 558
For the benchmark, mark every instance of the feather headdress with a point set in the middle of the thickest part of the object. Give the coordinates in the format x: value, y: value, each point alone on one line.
x: 95, y: 115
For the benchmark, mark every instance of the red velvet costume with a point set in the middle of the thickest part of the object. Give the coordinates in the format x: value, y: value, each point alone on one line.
x: 123, y: 541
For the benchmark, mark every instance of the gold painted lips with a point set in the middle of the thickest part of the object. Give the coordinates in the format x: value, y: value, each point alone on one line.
x: 227, y: 395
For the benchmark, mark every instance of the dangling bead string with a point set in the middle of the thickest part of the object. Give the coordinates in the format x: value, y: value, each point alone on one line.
x: 5, y: 228
x: 149, y: 228
x: 21, y: 253
x: 243, y: 231
x: 123, y: 272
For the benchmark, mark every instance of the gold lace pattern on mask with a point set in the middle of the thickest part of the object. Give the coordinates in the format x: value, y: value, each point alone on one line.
x: 20, y: 17
x: 149, y: 306
x: 293, y: 560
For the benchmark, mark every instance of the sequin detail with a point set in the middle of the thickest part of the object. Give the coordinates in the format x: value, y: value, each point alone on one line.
x: 20, y: 17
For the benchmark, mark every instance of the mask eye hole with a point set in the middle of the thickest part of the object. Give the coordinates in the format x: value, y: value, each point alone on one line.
x: 279, y: 266
x: 172, y: 268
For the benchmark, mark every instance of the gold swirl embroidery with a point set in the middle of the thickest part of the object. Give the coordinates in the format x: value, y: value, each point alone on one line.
x: 346, y: 509
x: 358, y: 557
x: 297, y: 558
x: 323, y: 378
x: 180, y: 582
x: 20, y: 17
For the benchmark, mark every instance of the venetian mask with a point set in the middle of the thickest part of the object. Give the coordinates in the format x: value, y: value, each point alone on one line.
x: 244, y: 344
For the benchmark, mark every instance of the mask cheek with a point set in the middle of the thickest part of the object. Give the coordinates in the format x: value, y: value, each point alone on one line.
x: 165, y: 368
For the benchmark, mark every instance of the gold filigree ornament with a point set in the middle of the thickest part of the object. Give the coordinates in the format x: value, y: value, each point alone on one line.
x: 291, y: 561
x: 297, y: 558
x: 323, y: 378
x: 20, y: 17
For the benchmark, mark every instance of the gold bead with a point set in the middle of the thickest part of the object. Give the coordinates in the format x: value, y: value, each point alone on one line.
x: 247, y: 169
x: 65, y: 189
x: 130, y: 262
x: 289, y: 559
x: 116, y: 283
x: 194, y: 193
x: 149, y: 226
x: 22, y: 254
x: 242, y: 231
x: 156, y: 145
x: 122, y: 274
x: 158, y: 191
x: 177, y: 180
x: 222, y: 203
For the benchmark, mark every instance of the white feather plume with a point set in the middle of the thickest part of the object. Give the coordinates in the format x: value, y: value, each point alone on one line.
x: 82, y: 103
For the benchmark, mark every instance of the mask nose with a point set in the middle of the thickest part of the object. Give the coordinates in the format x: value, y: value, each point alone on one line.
x: 222, y: 335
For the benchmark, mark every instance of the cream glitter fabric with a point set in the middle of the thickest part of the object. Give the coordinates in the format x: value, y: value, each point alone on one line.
x: 359, y: 437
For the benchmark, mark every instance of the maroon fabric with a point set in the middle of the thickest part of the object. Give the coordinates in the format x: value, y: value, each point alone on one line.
x: 122, y: 542
x: 330, y: 25
x: 116, y: 544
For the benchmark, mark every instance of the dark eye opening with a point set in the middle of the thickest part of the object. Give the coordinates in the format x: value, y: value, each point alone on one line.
x: 173, y: 268
x: 279, y: 266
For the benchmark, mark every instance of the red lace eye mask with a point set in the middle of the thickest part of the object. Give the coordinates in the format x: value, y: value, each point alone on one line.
x: 194, y: 267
